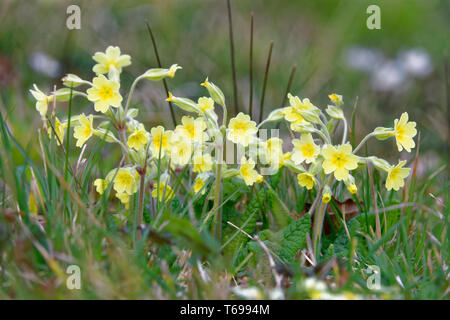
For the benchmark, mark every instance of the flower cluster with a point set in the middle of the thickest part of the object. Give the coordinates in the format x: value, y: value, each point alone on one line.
x: 200, y: 139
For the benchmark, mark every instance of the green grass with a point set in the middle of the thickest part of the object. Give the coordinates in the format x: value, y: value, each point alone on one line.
x: 178, y: 254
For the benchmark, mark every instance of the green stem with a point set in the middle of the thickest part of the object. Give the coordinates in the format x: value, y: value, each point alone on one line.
x: 66, y: 163
x: 217, y: 196
x: 344, y: 136
x: 130, y: 94
x: 318, y: 220
x: 363, y: 141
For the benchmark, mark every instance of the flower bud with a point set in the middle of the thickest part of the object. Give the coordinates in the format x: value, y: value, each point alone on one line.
x: 214, y: 92
x: 383, y: 133
x: 72, y: 80
x: 159, y: 73
x: 335, y: 112
x: 184, y: 103
x: 326, y: 196
x: 380, y: 164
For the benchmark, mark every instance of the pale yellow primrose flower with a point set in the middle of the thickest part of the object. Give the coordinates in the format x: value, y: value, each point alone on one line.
x: 60, y: 129
x: 241, y: 129
x: 274, y: 150
x: 353, y: 189
x: 138, y: 138
x: 405, y: 132
x: 199, y: 183
x: 247, y: 171
x: 104, y: 93
x: 110, y: 59
x: 202, y: 162
x: 124, y: 198
x: 304, y: 149
x: 336, y: 99
x: 192, y: 128
x: 100, y: 185
x: 125, y: 181
x: 181, y: 149
x: 293, y: 113
x: 339, y: 160
x: 84, y: 130
x: 169, y: 194
x: 160, y: 139
x: 307, y: 180
x: 205, y: 104
x: 396, y: 176
x: 42, y: 100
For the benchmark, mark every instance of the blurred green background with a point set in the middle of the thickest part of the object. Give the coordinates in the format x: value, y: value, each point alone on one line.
x: 400, y: 67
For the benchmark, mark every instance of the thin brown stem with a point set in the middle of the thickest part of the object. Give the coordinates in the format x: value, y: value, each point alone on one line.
x: 291, y: 78
x: 250, y: 108
x: 233, y: 64
x: 172, y: 114
x: 266, y: 76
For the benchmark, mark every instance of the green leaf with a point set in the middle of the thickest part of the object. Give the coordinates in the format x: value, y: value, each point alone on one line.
x: 280, y: 214
x: 294, y: 237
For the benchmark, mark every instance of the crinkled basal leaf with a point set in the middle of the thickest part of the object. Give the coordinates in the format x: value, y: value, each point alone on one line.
x: 280, y: 215
x: 294, y: 237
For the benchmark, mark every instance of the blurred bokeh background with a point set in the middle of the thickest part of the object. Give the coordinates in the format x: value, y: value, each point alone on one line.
x: 400, y: 67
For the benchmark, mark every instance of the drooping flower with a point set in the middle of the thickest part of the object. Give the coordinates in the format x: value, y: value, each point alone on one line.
x: 60, y: 130
x: 84, y: 130
x: 162, y: 191
x: 193, y: 129
x: 160, y: 140
x: 104, y: 93
x: 353, y: 189
x: 295, y: 113
x: 241, y: 129
x: 42, y: 100
x: 202, y: 162
x: 274, y: 150
x: 139, y: 138
x: 306, y: 179
x: 126, y: 181
x: 405, y: 132
x: 124, y: 198
x: 248, y: 172
x: 110, y: 59
x: 396, y: 176
x: 304, y: 149
x: 339, y: 160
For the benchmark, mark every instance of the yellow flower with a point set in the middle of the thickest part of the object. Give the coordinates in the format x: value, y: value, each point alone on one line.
x: 124, y: 198
x: 304, y: 149
x: 104, y: 93
x: 164, y: 190
x: 336, y: 99
x: 60, y: 130
x: 205, y: 104
x: 42, y: 100
x: 353, y: 189
x: 405, y: 132
x: 193, y: 129
x: 202, y: 162
x: 247, y: 171
x: 110, y: 59
x: 274, y: 150
x: 160, y: 139
x: 396, y: 176
x: 241, y: 129
x: 326, y: 197
x: 200, y: 183
x: 139, y: 138
x: 339, y: 160
x: 306, y: 179
x: 181, y: 150
x: 100, y: 185
x: 297, y: 106
x: 125, y: 181
x: 84, y: 130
